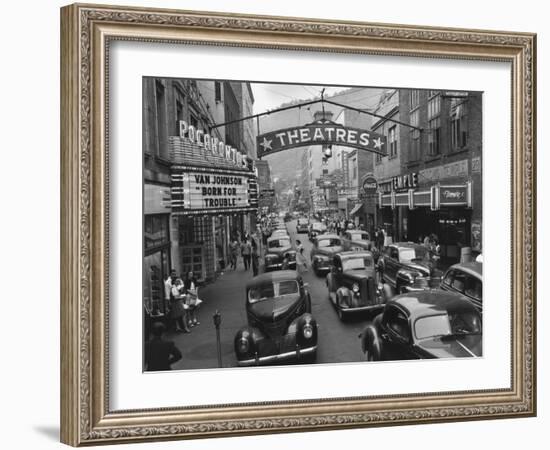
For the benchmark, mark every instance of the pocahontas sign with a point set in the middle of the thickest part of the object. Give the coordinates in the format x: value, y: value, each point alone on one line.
x: 320, y: 134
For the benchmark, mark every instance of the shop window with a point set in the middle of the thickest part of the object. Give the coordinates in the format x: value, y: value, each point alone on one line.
x: 156, y: 230
x: 414, y: 154
x: 161, y: 118
x: 434, y: 136
x: 434, y: 123
x: 156, y: 270
x: 217, y: 91
x: 414, y: 98
x: 459, y: 125
x: 392, y: 141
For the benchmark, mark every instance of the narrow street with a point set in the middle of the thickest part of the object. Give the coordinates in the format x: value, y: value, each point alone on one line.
x: 338, y: 341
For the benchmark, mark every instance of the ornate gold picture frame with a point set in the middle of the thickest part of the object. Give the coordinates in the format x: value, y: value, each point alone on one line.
x: 87, y: 31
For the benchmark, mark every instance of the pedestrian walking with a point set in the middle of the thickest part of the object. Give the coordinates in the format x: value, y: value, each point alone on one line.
x: 300, y: 256
x: 160, y: 353
x: 234, y: 253
x: 383, y: 238
x: 255, y: 258
x: 246, y: 252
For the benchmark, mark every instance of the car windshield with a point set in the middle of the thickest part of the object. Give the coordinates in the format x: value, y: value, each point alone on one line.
x: 410, y: 254
x: 358, y: 236
x: 328, y: 242
x: 453, y: 324
x: 279, y: 243
x: 357, y: 263
x: 302, y: 221
x: 273, y: 290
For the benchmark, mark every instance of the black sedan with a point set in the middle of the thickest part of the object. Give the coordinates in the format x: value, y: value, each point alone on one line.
x: 279, y: 252
x: 352, y: 284
x: 280, y: 324
x: 424, y: 324
x: 325, y: 246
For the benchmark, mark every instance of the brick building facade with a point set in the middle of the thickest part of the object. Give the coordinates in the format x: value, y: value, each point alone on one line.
x: 431, y: 180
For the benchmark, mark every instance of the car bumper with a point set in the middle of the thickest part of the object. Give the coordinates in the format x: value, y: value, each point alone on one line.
x: 362, y: 309
x: 271, y: 359
x: 279, y: 266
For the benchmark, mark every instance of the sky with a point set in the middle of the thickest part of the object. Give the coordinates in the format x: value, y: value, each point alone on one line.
x: 270, y: 96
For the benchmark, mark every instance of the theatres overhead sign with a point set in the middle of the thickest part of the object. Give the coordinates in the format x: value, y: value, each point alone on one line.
x: 320, y: 134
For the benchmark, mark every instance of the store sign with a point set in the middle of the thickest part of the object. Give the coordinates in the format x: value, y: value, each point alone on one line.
x: 451, y: 170
x: 370, y: 185
x: 320, y: 134
x: 406, y: 181
x: 452, y: 195
x: 212, y: 145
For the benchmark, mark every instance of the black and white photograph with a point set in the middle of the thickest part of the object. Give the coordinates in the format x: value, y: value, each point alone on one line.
x: 306, y: 224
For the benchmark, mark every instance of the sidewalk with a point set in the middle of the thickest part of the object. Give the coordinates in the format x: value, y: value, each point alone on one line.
x: 226, y: 295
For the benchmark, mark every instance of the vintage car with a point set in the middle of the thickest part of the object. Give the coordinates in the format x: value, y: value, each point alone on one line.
x: 325, y: 246
x: 316, y: 228
x: 406, y: 266
x: 280, y: 233
x: 424, y: 324
x: 466, y: 279
x: 351, y: 284
x: 302, y: 225
x: 280, y: 324
x: 279, y: 247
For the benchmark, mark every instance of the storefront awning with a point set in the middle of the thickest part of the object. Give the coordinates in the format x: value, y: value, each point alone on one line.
x: 356, y: 209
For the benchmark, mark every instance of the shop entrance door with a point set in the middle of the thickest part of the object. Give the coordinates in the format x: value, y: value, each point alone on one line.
x: 192, y: 260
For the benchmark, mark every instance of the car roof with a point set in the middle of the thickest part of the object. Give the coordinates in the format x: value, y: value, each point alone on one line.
x: 350, y: 254
x: 472, y: 268
x: 327, y: 236
x: 356, y: 230
x: 430, y: 302
x: 270, y: 277
x: 277, y: 238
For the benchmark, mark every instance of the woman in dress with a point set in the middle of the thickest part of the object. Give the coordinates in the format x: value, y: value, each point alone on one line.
x: 178, y: 308
x: 192, y: 300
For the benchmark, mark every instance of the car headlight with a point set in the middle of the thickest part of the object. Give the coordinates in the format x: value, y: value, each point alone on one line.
x: 355, y: 288
x: 307, y: 331
x: 243, y: 345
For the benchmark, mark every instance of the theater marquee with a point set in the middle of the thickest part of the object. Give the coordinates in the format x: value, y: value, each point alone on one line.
x: 200, y: 190
x: 320, y: 134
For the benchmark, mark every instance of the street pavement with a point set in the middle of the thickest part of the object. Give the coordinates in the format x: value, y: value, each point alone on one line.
x: 338, y: 341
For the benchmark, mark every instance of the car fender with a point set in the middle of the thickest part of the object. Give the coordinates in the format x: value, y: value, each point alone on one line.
x: 371, y: 343
x: 253, y: 335
x: 403, y: 277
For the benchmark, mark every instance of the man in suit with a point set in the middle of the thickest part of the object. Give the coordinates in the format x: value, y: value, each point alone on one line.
x: 160, y: 353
